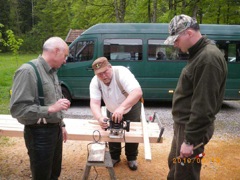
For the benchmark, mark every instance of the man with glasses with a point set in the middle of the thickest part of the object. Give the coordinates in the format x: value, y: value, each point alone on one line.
x: 197, y: 98
x: 44, y: 129
x: 121, y: 103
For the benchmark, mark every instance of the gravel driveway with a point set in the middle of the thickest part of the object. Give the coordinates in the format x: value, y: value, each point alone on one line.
x: 221, y: 161
x: 227, y: 122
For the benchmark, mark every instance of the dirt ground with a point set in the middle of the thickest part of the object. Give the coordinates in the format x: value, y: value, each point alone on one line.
x: 222, y: 161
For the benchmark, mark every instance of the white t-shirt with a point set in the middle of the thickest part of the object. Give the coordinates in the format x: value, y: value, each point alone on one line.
x: 112, y: 95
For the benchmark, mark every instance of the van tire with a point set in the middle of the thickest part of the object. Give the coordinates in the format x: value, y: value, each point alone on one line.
x: 66, y: 93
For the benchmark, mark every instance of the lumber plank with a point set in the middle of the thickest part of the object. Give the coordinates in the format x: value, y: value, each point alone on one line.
x: 147, y: 148
x: 83, y: 130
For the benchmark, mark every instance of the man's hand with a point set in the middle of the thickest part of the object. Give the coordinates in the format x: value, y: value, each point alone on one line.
x: 64, y: 133
x: 61, y: 104
x: 118, y: 114
x: 186, y: 150
x: 103, y: 122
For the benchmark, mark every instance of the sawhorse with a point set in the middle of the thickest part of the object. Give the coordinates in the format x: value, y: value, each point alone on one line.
x: 107, y: 163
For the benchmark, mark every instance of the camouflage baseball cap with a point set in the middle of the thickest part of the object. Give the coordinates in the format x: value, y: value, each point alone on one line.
x: 177, y: 25
x: 100, y: 65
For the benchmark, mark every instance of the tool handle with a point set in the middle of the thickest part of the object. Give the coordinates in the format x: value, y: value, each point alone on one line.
x: 105, y: 120
x: 128, y: 125
x: 160, y: 134
x: 197, y: 146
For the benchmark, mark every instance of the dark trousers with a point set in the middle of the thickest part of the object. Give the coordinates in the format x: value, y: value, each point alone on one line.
x: 44, y: 144
x: 131, y: 149
x: 190, y: 170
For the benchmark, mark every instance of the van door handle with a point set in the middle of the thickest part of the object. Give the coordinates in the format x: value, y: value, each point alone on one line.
x: 89, y: 69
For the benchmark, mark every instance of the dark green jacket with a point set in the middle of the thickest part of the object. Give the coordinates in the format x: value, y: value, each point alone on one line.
x: 24, y: 104
x: 200, y: 90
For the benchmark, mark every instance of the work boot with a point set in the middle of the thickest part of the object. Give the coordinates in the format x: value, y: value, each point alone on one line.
x: 115, y: 161
x: 133, y: 165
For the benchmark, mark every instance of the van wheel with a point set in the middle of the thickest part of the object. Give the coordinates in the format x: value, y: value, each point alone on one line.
x: 66, y: 94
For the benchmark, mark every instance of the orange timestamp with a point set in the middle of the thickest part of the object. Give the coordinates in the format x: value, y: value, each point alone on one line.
x: 183, y: 161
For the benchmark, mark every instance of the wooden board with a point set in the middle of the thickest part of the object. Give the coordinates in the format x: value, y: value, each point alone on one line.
x: 83, y: 130
x: 147, y: 148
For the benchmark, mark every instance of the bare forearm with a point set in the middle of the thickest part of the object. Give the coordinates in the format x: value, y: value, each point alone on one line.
x: 132, y: 98
x: 95, y: 106
x: 96, y: 110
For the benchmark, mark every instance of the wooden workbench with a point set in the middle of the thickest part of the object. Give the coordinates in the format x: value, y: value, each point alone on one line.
x: 85, y: 130
x: 82, y: 130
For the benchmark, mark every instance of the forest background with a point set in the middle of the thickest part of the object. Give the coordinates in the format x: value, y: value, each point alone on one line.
x: 26, y: 24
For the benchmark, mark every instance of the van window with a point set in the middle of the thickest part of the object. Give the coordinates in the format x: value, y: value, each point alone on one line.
x: 230, y: 50
x: 123, y: 49
x: 232, y: 53
x: 81, y: 51
x: 157, y: 50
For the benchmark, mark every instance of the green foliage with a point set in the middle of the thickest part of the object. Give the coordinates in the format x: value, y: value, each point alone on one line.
x: 32, y: 43
x: 13, y: 43
x: 2, y: 41
x: 8, y: 66
x: 35, y: 21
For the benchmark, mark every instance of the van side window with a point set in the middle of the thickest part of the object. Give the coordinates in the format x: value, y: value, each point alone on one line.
x: 81, y: 51
x: 157, y: 50
x: 123, y: 49
x: 230, y: 50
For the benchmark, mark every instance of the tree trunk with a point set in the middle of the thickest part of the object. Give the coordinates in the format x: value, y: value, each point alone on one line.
x: 218, y: 14
x: 116, y: 11
x: 120, y: 10
x: 200, y: 16
x: 154, y: 19
x: 149, y: 10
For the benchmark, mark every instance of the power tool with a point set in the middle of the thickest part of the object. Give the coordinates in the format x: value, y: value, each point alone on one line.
x: 117, y: 129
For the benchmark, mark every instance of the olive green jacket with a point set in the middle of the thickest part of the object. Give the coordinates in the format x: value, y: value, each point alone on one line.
x: 200, y: 90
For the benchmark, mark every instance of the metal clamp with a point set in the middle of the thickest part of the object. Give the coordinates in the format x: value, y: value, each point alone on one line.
x: 156, y: 116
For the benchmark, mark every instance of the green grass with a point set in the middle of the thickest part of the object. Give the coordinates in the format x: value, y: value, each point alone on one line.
x: 8, y: 65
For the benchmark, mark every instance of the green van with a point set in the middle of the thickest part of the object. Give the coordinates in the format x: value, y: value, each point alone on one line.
x: 140, y: 47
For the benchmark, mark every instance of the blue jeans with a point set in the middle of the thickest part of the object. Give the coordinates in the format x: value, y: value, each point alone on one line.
x: 44, y: 144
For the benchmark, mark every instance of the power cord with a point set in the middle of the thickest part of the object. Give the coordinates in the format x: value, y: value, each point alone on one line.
x: 96, y: 141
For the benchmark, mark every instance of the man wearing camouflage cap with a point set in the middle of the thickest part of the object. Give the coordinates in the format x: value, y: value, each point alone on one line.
x: 121, y: 93
x: 197, y: 98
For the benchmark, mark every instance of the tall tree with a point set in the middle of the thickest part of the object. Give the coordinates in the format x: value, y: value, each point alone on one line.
x: 155, y: 10
x: 4, y: 12
x: 120, y: 8
x: 26, y: 16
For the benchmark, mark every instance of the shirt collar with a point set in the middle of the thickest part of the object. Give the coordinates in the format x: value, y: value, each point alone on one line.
x: 202, y: 42
x: 46, y: 65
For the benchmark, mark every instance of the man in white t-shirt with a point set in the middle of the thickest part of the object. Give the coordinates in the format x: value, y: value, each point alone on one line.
x: 105, y: 85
